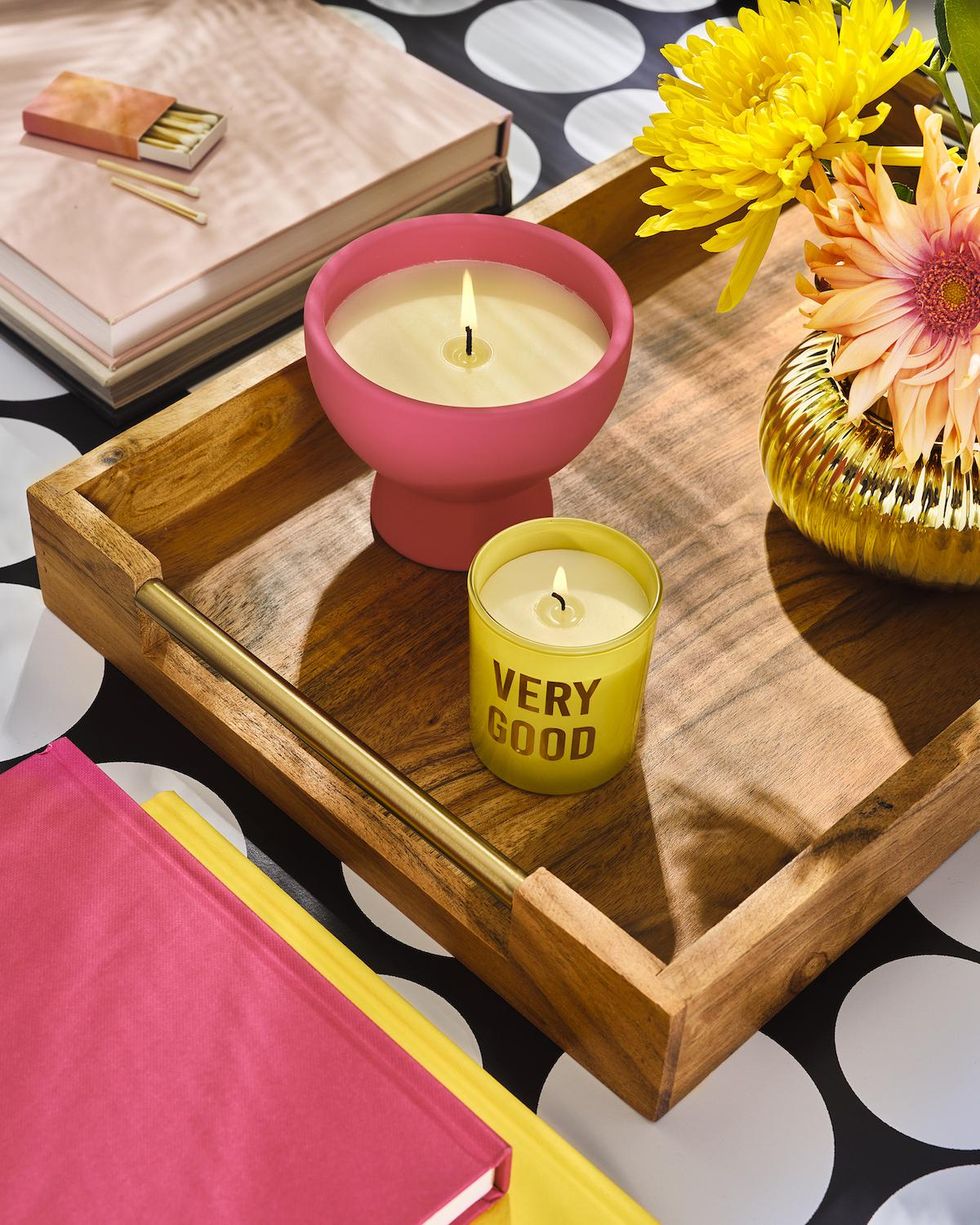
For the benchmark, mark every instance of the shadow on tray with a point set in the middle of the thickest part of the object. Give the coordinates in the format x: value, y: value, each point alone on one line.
x: 913, y: 649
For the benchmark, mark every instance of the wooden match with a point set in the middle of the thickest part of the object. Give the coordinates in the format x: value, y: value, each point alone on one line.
x: 171, y: 205
x: 163, y: 144
x: 158, y: 179
x: 186, y: 125
x: 172, y: 134
x: 202, y: 117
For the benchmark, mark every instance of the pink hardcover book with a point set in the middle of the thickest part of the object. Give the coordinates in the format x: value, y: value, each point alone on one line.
x: 167, y: 1057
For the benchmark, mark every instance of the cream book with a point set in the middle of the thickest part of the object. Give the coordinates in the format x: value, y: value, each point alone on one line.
x: 330, y: 132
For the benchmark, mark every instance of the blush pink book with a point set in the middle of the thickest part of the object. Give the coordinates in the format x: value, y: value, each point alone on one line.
x: 167, y: 1057
x: 331, y: 131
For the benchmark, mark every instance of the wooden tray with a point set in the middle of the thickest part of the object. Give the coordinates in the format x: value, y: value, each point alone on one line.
x: 811, y: 747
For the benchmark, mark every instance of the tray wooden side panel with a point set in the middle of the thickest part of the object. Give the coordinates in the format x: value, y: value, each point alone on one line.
x: 603, y: 996
x: 90, y: 569
x: 759, y: 957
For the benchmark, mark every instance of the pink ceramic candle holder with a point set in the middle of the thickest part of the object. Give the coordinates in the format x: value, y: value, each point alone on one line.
x: 449, y: 478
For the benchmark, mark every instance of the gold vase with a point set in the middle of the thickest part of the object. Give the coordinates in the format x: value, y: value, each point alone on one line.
x: 839, y: 483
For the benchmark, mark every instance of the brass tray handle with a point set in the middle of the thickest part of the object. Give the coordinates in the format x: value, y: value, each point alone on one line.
x: 331, y: 741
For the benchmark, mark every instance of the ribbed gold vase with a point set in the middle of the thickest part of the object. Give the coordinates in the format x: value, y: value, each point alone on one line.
x: 837, y: 481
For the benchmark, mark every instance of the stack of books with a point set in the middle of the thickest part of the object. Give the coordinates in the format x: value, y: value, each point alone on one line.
x: 201, y: 1069
x: 330, y: 133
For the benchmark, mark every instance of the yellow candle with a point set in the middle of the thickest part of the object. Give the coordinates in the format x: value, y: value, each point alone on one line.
x: 556, y: 692
x: 529, y: 337
x: 565, y: 598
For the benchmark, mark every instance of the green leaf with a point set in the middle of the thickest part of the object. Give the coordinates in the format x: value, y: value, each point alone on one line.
x: 963, y: 26
x: 904, y: 192
x: 941, y: 30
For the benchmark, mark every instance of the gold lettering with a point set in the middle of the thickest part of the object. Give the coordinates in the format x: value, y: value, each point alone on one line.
x: 583, y: 742
x: 503, y: 682
x: 522, y: 737
x: 553, y: 736
x: 497, y: 725
x: 586, y: 694
x: 525, y: 694
x: 556, y: 695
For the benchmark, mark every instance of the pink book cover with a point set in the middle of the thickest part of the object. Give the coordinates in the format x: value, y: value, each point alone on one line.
x: 167, y: 1057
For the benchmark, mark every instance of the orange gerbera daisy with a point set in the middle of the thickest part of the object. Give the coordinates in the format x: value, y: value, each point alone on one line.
x: 899, y: 282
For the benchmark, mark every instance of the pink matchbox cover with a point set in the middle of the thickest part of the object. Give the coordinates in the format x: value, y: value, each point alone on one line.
x: 167, y: 1057
x: 99, y: 114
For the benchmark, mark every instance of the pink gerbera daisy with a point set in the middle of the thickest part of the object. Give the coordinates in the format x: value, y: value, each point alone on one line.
x: 899, y: 282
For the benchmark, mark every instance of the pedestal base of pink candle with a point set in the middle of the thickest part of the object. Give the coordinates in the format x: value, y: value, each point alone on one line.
x: 447, y: 534
x: 449, y: 478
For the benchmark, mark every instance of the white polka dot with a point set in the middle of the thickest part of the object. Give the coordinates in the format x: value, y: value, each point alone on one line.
x: 554, y: 46
x: 27, y: 453
x: 141, y: 782
x: 670, y: 6
x: 751, y: 1145
x: 49, y: 677
x: 440, y: 1012
x: 372, y: 23
x: 388, y: 917
x: 524, y: 161
x: 701, y: 31
x: 603, y: 124
x: 944, y: 1197
x: 425, y: 8
x: 20, y: 379
x: 908, y: 1036
x: 950, y: 899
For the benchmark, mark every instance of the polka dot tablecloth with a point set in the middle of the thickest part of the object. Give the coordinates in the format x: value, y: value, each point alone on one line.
x: 860, y: 1102
x: 580, y: 75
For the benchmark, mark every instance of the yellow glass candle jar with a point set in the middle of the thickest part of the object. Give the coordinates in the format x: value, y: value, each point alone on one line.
x: 562, y: 617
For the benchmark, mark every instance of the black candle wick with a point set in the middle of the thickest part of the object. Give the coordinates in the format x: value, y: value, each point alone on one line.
x: 469, y: 342
x: 560, y: 599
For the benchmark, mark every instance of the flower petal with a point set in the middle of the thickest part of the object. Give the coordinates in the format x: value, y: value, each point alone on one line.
x: 749, y: 258
x: 871, y: 346
x: 757, y: 107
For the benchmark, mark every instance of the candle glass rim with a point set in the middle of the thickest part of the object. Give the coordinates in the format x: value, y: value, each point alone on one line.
x: 601, y: 648
x: 619, y: 335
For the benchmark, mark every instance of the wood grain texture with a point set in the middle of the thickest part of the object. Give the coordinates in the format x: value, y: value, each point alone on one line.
x: 775, y: 943
x: 785, y: 689
x: 78, y: 548
x: 600, y: 207
x: 773, y: 663
x: 606, y: 1000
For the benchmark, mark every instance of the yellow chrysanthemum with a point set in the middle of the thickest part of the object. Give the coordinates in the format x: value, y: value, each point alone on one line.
x: 757, y: 105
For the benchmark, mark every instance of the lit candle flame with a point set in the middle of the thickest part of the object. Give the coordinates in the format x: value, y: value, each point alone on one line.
x: 467, y: 303
x: 560, y: 583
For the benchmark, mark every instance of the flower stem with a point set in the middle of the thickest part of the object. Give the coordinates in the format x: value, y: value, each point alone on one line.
x: 939, y: 75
